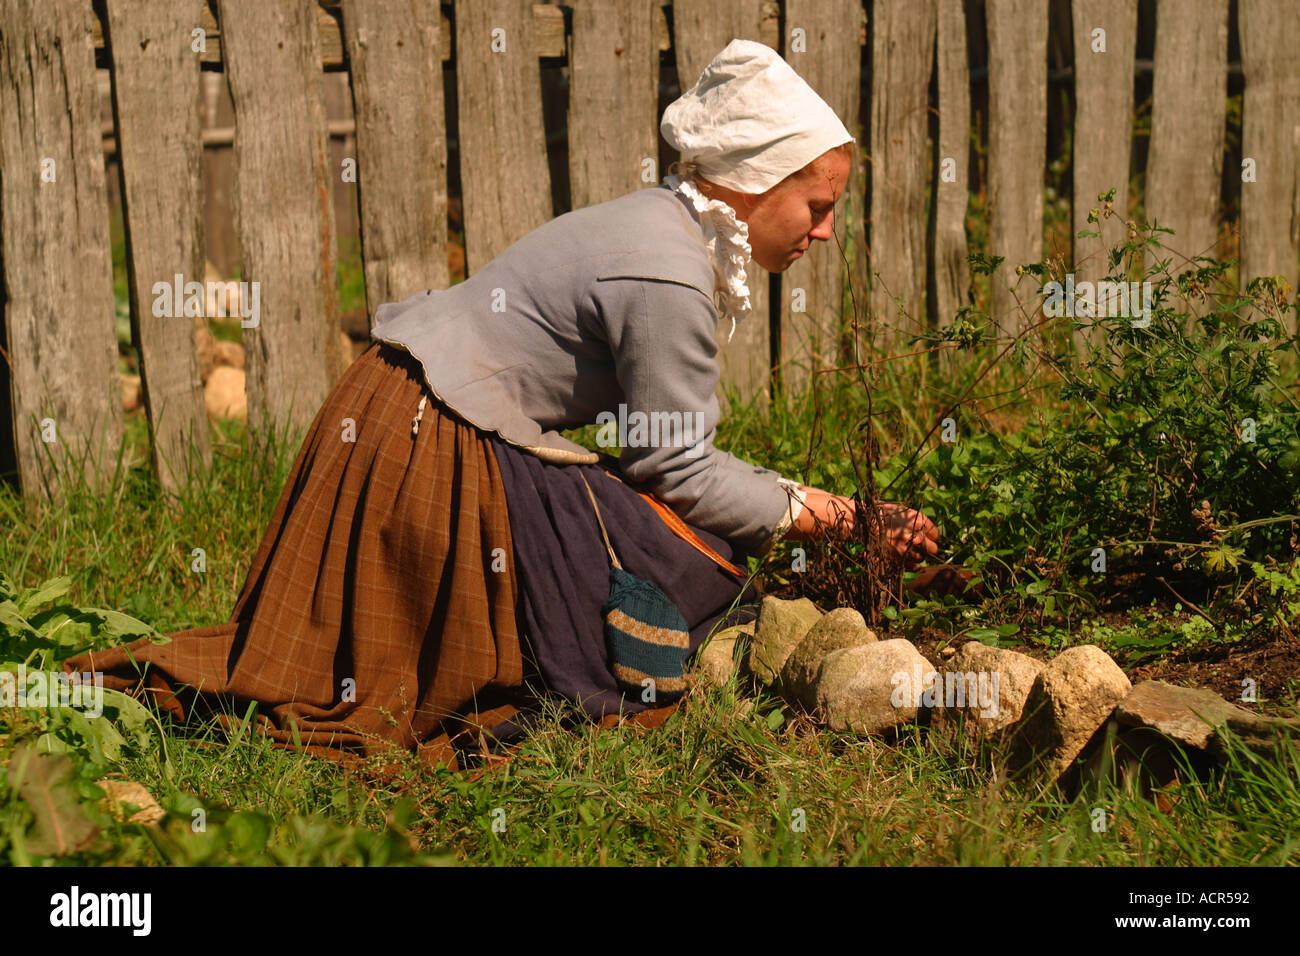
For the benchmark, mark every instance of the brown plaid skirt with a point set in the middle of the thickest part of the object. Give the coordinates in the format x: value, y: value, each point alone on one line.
x: 380, y: 608
x: 372, y: 612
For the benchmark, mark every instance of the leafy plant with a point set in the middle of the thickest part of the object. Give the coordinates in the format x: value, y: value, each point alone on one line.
x: 55, y: 754
x: 1174, y: 448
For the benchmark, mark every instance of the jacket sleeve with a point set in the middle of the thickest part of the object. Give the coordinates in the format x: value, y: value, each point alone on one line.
x: 662, y: 336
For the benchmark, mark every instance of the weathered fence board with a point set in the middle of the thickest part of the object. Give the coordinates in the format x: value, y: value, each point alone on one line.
x: 1270, y: 140
x: 1105, y: 38
x: 156, y: 82
x: 60, y: 383
x: 395, y: 52
x: 1017, y: 32
x: 613, y: 99
x: 949, y: 274
x: 548, y: 23
x: 701, y: 29
x: 283, y: 210
x: 499, y: 103
x: 853, y: 210
x: 902, y: 59
x: 1185, y: 164
x: 822, y: 45
x: 55, y: 235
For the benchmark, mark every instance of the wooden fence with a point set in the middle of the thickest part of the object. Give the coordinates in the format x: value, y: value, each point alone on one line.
x: 933, y: 124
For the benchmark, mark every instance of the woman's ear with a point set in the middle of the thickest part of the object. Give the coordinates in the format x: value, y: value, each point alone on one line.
x: 742, y: 203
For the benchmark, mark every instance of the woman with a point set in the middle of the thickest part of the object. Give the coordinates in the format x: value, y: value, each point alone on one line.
x: 435, y: 558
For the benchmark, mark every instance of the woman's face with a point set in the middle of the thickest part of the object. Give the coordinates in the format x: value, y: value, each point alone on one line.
x: 785, y: 220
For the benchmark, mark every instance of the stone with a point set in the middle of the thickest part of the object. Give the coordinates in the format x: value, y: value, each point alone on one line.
x: 1188, y: 716
x: 1071, y: 699
x: 1008, y: 674
x: 716, y: 661
x: 230, y: 354
x: 224, y: 394
x: 839, y: 628
x: 780, y: 627
x: 205, y: 346
x: 1264, y: 736
x: 130, y: 392
x: 872, y: 688
x: 1183, y: 714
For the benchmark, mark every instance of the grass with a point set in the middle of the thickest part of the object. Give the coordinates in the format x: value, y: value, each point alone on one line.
x: 724, y: 781
x: 131, y: 546
x: 717, y: 785
x: 730, y: 779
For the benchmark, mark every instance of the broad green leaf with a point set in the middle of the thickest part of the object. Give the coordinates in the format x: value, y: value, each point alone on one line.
x: 15, y: 621
x: 131, y: 716
x: 51, y: 743
x: 43, y: 595
x: 48, y: 787
x: 116, y: 624
x: 101, y: 737
x: 63, y: 625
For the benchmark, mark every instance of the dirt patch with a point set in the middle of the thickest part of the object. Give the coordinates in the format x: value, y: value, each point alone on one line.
x: 1271, y: 662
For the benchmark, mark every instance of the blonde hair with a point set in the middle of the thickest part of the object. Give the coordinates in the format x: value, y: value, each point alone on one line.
x: 685, y: 169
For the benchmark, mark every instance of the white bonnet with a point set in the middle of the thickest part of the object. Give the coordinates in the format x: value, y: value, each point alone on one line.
x: 751, y: 120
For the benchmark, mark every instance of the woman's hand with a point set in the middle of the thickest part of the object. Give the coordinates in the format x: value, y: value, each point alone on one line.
x: 909, y: 533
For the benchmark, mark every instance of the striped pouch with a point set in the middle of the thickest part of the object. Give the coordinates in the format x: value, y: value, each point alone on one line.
x: 646, y: 634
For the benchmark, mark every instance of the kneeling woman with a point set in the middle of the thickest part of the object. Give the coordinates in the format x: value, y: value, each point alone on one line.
x: 420, y: 584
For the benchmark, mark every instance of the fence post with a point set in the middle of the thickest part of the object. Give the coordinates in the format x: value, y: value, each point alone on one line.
x: 949, y: 273
x: 155, y: 85
x: 60, y: 389
x: 1105, y: 38
x: 1270, y: 140
x: 1017, y: 31
x: 396, y: 54
x: 1185, y: 165
x: 613, y: 100
x: 505, y: 180
x: 283, y: 210
x: 902, y: 60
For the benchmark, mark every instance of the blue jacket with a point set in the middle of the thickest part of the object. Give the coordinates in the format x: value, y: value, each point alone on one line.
x: 607, y: 306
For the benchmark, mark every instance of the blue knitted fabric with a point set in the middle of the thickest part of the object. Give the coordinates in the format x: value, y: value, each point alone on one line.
x: 647, y: 637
